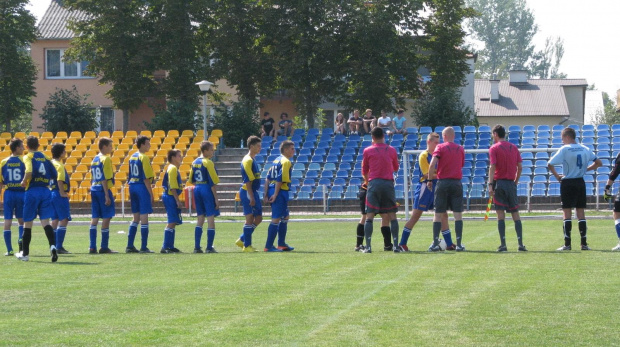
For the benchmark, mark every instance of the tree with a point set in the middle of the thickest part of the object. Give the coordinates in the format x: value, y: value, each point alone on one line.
x: 17, y: 71
x: 609, y: 114
x: 546, y: 63
x: 176, y: 115
x: 67, y: 110
x: 441, y: 106
x: 239, y: 121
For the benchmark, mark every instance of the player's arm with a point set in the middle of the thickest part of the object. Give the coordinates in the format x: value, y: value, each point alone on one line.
x: 395, y: 163
x: 1, y: 176
x: 266, y: 191
x: 275, y: 192
x: 148, y: 176
x: 247, y: 167
x: 491, y: 175
x: 556, y: 159
x: 27, y: 172
x: 597, y: 163
x: 61, y: 181
x: 173, y: 185
x: 431, y: 172
x: 551, y: 168
x: 215, y: 179
x: 519, y: 170
x: 423, y: 164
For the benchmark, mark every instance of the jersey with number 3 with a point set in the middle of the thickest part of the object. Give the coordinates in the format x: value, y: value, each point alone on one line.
x: 101, y: 171
x: 42, y: 169
x: 574, y: 159
x: 203, y: 173
x: 13, y: 170
x: 139, y: 168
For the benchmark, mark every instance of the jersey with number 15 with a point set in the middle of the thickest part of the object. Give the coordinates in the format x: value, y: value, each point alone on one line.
x: 101, y: 171
x: 139, y: 168
x: 42, y: 169
x: 574, y: 159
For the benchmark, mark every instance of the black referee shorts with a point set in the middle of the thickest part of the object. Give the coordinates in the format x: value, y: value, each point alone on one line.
x: 573, y: 193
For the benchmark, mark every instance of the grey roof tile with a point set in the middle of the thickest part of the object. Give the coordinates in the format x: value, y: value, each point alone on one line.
x: 53, y: 25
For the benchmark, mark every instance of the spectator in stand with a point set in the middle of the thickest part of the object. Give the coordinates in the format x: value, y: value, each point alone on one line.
x: 339, y: 122
x: 286, y: 125
x: 399, y: 123
x: 369, y: 121
x: 267, y: 128
x: 385, y: 123
x: 355, y: 123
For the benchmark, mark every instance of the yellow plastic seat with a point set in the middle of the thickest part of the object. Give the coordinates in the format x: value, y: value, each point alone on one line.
x: 104, y: 133
x: 6, y: 135
x: 199, y: 134
x: 71, y: 161
x: 35, y: 134
x: 81, y: 168
x: 159, y: 133
x: 71, y: 141
x: 117, y: 134
x: 146, y: 133
x: 173, y: 133
x: 217, y: 132
x: 187, y: 133
x: 61, y: 135
x: 90, y: 135
x: 75, y: 135
x: 214, y: 139
x: 131, y: 134
x: 159, y: 160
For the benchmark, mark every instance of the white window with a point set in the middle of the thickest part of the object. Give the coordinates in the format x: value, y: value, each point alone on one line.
x: 56, y: 67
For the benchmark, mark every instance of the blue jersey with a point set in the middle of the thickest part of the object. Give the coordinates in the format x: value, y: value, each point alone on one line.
x: 203, y: 173
x: 42, y: 169
x: 281, y: 171
x: 574, y: 159
x: 172, y: 181
x: 139, y: 168
x: 101, y: 172
x: 250, y: 173
x: 62, y: 177
x: 13, y: 171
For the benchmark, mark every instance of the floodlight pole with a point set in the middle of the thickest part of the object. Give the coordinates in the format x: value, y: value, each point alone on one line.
x: 204, y: 86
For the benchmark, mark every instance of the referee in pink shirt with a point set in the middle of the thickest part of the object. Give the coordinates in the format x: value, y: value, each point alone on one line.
x: 378, y: 166
x: 449, y: 159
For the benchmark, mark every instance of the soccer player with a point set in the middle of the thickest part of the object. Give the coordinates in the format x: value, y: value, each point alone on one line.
x: 278, y: 180
x: 423, y: 198
x: 205, y: 179
x: 172, y: 187
x: 37, y: 200
x: 379, y: 163
x: 612, y: 177
x: 141, y: 194
x: 248, y: 193
x: 448, y: 160
x: 60, y: 200
x: 13, y: 170
x: 102, y: 199
x: 574, y: 159
x: 504, y: 173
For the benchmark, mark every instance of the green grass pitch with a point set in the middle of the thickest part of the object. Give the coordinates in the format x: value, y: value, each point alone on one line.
x: 323, y: 293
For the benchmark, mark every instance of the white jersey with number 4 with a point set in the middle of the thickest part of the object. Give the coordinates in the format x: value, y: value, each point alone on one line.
x: 574, y: 159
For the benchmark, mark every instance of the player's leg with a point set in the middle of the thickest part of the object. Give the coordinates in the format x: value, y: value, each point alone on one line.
x: 210, y: 234
x: 385, y: 232
x: 370, y: 216
x: 567, y: 228
x: 277, y: 211
x: 283, y: 197
x: 144, y: 233
x: 617, y: 222
x: 441, y: 208
x: 516, y: 217
x: 61, y: 231
x: 134, y: 198
x: 359, y: 241
x: 501, y: 228
x: 583, y: 228
x: 49, y: 233
x: 394, y: 231
x: 63, y: 211
x: 7, y: 232
x: 415, y: 217
x: 569, y: 201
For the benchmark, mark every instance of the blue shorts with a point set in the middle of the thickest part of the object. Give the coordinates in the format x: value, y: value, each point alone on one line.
x: 98, y: 206
x: 13, y: 204
x: 62, y: 210
x: 423, y: 198
x: 257, y: 209
x: 205, y: 201
x: 140, y: 199
x: 279, y: 208
x: 38, y: 201
x: 172, y: 209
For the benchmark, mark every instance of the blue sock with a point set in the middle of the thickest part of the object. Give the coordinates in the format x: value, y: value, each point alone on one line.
x: 167, y: 235
x: 282, y: 228
x: 447, y: 235
x: 618, y: 227
x: 131, y: 237
x: 197, y: 236
x: 21, y: 231
x: 272, y: 232
x: 60, y: 236
x: 247, y: 235
x: 144, y: 233
x: 93, y: 237
x: 105, y: 237
x: 7, y: 240
x: 172, y: 235
x: 405, y: 237
x: 210, y: 238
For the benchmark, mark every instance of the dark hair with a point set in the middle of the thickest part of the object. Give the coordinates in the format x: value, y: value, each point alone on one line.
x: 265, y: 114
x: 252, y: 140
x: 173, y: 153
x: 569, y: 132
x: 104, y: 141
x: 286, y: 144
x: 500, y: 131
x: 140, y: 140
x: 400, y: 110
x: 205, y: 146
x: 283, y: 114
x: 32, y: 142
x: 15, y: 142
x: 377, y: 133
x: 57, y: 150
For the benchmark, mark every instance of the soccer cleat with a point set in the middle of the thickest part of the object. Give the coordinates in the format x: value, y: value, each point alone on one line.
x: 273, y: 249
x: 106, y: 251
x: 367, y: 250
x: 435, y: 248
x: 198, y: 250
x: 249, y: 249
x: 616, y: 249
x: 388, y: 248
x: 131, y: 250
x: 145, y: 250
x: 397, y: 249
x: 502, y: 248
x: 460, y: 248
x: 21, y: 256
x: 585, y: 248
x: 452, y: 247
x: 404, y: 248
x: 239, y: 243
x: 522, y: 248
x: 212, y: 250
x: 54, y: 253
x: 62, y: 250
x: 564, y: 248
x: 165, y: 251
x: 286, y: 248
x: 175, y: 250
x: 9, y: 254
x: 92, y: 251
x: 359, y: 248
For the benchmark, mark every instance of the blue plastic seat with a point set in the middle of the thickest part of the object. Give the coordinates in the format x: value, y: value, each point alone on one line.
x: 331, y: 159
x: 298, y: 166
x: 306, y: 188
x: 523, y: 189
x: 340, y: 181
x: 602, y: 127
x: 542, y: 155
x: 303, y: 195
x: 539, y: 179
x: 412, y: 130
x: 329, y: 166
x: 484, y: 129
x: 514, y: 128
x: 554, y: 189
x: 538, y: 189
x: 342, y: 174
x: 543, y: 128
x: 528, y: 135
x: 480, y: 172
x: 557, y: 127
x: 327, y: 174
x: 318, y: 159
x: 541, y: 163
x: 312, y: 174
x: 356, y: 173
x: 477, y: 191
x: 529, y: 128
x: 469, y: 129
x: 314, y: 167
x: 426, y: 130
x: 325, y: 182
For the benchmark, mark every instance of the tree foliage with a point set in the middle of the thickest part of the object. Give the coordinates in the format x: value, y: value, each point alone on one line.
x: 441, y: 106
x: 239, y: 121
x: 546, y: 62
x: 17, y: 70
x: 67, y: 110
x: 176, y: 115
x: 609, y: 114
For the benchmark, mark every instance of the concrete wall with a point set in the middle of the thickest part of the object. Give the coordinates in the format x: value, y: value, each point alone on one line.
x: 575, y: 99
x: 507, y: 121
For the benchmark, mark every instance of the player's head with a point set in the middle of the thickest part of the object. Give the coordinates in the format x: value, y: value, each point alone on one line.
x: 254, y: 144
x: 174, y: 157
x: 143, y: 143
x: 17, y: 146
x: 448, y: 134
x: 287, y: 148
x: 206, y: 148
x: 377, y: 134
x: 569, y: 134
x: 432, y: 140
x: 32, y: 143
x: 499, y: 131
x: 58, y: 149
x: 105, y: 145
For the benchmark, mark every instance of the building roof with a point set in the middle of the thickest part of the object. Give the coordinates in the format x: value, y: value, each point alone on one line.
x: 53, y: 25
x: 537, y: 97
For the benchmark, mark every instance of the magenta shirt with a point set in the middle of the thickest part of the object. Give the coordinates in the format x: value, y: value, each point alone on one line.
x: 380, y: 161
x: 505, y: 156
x: 451, y: 160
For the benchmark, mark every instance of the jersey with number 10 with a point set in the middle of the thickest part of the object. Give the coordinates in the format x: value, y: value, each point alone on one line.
x: 101, y: 171
x: 139, y: 168
x: 42, y: 169
x: 574, y: 159
x: 13, y: 170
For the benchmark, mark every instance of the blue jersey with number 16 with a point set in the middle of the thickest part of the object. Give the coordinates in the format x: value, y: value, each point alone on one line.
x: 574, y: 159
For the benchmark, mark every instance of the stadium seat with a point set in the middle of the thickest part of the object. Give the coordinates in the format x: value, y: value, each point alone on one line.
x: 514, y: 128
x: 543, y: 128
x: 529, y: 128
x: 538, y: 189
x: 469, y: 129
